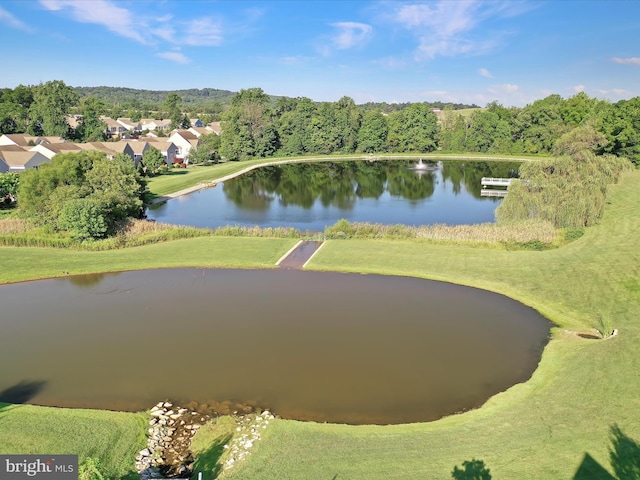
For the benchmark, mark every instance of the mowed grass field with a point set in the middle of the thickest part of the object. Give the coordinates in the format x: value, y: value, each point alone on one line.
x: 541, y: 429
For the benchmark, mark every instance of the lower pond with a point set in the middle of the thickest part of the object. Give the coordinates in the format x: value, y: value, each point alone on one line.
x: 311, y: 196
x: 308, y: 345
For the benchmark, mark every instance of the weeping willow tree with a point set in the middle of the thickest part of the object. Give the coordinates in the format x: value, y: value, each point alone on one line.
x: 568, y: 190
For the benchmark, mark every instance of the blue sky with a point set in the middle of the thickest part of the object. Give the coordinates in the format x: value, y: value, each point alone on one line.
x: 471, y: 51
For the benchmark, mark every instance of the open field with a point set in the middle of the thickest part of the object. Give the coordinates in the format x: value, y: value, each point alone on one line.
x: 541, y: 429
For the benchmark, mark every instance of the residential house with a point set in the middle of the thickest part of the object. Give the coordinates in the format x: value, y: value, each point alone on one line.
x: 49, y: 150
x: 99, y: 146
x: 199, y: 131
x: 215, y: 127
x: 20, y: 161
x: 114, y: 129
x: 168, y: 149
x: 196, y: 122
x: 4, y: 168
x: 130, y: 125
x: 151, y: 124
x: 119, y: 147
x: 20, y: 139
x: 185, y: 141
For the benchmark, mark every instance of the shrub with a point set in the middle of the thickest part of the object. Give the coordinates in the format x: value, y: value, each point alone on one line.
x: 83, y: 218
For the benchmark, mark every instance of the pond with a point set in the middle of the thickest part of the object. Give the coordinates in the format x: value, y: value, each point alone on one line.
x: 308, y: 345
x: 311, y: 196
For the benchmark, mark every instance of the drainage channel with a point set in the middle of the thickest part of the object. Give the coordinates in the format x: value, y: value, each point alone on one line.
x: 300, y: 254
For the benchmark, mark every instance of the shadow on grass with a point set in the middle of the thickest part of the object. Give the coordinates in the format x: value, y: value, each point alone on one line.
x: 624, y: 456
x: 22, y: 392
x: 471, y: 470
x: 208, y: 461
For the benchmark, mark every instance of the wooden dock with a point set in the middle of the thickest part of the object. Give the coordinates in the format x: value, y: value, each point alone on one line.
x: 495, y: 182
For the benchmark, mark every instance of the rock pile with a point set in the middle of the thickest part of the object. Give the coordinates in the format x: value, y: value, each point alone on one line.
x: 168, y: 452
x: 248, y: 432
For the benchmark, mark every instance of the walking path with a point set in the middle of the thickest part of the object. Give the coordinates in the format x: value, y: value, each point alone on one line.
x: 300, y: 254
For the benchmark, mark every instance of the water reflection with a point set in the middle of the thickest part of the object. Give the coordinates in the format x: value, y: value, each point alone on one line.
x: 311, y: 196
x: 309, y: 345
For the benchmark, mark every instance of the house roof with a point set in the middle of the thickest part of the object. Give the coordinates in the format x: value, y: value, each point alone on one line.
x: 64, y: 147
x: 137, y: 146
x: 198, y: 131
x: 163, y: 146
x: 17, y: 160
x: 19, y: 139
x: 215, y: 127
x: 99, y: 146
x: 186, y: 134
x: 11, y: 148
x: 118, y: 147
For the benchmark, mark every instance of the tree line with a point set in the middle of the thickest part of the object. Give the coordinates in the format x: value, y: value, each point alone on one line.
x: 257, y: 126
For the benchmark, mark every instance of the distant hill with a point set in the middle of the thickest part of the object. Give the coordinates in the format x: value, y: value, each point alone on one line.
x: 118, y: 95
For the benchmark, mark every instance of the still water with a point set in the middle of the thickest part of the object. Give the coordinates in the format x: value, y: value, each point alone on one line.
x: 312, y: 196
x: 308, y: 345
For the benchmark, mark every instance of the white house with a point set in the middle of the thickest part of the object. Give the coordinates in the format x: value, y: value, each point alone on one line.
x: 185, y: 141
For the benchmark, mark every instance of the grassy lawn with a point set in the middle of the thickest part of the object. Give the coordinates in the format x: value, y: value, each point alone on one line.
x: 541, y: 429
x: 17, y: 264
x: 112, y: 437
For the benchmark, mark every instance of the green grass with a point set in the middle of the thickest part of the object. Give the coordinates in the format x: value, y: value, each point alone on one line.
x: 541, y: 429
x: 113, y: 437
x: 18, y: 264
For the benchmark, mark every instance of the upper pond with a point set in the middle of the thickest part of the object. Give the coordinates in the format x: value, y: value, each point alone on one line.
x: 312, y: 196
x: 309, y: 345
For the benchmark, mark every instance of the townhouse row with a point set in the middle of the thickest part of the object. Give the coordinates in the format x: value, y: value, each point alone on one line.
x: 19, y: 152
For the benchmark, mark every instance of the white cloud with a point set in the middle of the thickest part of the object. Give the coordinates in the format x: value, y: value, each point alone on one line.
x: 627, y: 61
x: 504, y: 88
x: 578, y: 88
x: 101, y: 12
x: 351, y: 34
x: 8, y: 19
x: 446, y: 28
x: 174, y: 57
x: 485, y: 73
x: 203, y: 32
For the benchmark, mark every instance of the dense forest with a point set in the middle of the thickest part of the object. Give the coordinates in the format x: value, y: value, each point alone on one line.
x: 256, y: 124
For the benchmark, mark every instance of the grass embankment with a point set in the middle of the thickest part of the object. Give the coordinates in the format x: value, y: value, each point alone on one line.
x: 541, y: 429
x: 111, y: 437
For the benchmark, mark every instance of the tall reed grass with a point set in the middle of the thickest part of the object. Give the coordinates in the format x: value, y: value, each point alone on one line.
x: 531, y: 233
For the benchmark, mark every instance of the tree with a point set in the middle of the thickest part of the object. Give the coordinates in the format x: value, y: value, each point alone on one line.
x: 152, y: 160
x: 413, y: 129
x: 91, y: 128
x: 247, y: 129
x: 172, y: 104
x: 9, y: 184
x: 372, y: 136
x: 111, y: 187
x: 207, y: 150
x: 51, y: 103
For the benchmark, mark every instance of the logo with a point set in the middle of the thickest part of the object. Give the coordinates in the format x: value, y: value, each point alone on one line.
x: 44, y: 467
